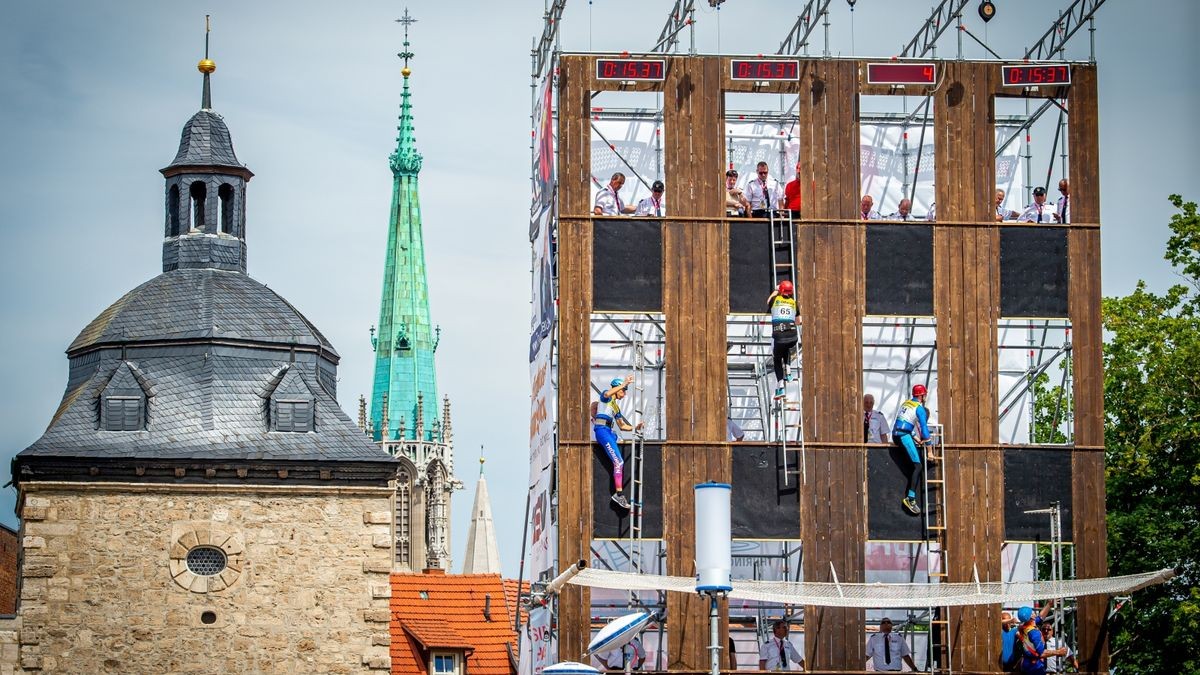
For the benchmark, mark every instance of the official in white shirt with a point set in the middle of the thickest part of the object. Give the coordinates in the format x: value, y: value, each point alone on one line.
x: 1064, y: 202
x: 608, y: 201
x: 779, y: 653
x: 1039, y: 211
x: 654, y: 205
x: 887, y: 649
x: 875, y: 426
x: 866, y: 208
x: 763, y: 192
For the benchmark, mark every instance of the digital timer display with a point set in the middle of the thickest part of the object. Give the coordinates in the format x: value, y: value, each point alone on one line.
x: 758, y: 69
x: 631, y: 69
x: 1029, y: 76
x: 922, y: 74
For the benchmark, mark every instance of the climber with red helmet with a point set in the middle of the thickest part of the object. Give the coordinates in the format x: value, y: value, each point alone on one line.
x: 911, y: 428
x: 606, y: 413
x: 784, y: 336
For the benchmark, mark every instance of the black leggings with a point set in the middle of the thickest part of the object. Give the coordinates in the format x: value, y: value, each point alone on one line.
x: 783, y: 347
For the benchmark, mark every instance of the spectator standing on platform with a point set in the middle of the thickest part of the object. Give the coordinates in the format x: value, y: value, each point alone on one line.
x: 763, y: 192
x: 736, y: 203
x: 608, y: 200
x: 1008, y: 641
x: 1058, y: 655
x: 792, y: 194
x: 931, y: 216
x: 1064, y: 202
x: 903, y: 211
x: 784, y: 336
x: 912, y: 427
x: 1038, y: 211
x: 605, y: 413
x: 887, y: 650
x: 1003, y: 214
x: 779, y: 653
x: 866, y: 209
x: 653, y: 205
x: 875, y: 426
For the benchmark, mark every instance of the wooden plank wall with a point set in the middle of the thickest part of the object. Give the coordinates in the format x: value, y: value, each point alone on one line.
x: 831, y: 295
x: 830, y: 250
x: 966, y: 306
x: 695, y: 300
x: 575, y: 307
x: 1087, y: 474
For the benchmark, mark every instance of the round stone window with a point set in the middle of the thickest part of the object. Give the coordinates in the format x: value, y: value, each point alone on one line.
x: 206, y: 561
x: 205, y: 557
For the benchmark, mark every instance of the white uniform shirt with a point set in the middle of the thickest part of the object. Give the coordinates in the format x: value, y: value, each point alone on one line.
x: 897, y: 216
x: 648, y: 207
x: 1038, y: 213
x: 931, y: 216
x: 878, y: 430
x: 770, y: 651
x: 871, y: 215
x: 875, y: 651
x: 615, y: 659
x: 1064, y: 209
x: 754, y: 192
x: 1056, y: 664
x: 609, y: 202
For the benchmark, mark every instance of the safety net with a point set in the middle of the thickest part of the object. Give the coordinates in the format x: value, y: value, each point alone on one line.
x: 826, y: 594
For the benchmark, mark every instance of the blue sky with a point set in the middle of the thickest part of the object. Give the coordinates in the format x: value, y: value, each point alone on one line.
x: 94, y: 96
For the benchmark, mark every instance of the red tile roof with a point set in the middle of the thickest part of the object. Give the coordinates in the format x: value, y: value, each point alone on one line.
x: 512, y: 595
x: 446, y: 611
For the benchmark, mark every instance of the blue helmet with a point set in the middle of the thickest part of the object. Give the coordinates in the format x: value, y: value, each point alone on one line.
x: 1024, y: 614
x: 616, y: 382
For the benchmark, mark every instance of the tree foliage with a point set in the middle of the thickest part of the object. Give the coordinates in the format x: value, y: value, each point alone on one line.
x: 1152, y: 440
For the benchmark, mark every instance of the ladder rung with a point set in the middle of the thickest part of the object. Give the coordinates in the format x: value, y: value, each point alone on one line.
x: 935, y: 527
x: 938, y: 574
x: 935, y: 480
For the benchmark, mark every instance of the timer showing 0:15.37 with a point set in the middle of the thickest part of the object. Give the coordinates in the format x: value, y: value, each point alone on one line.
x: 1029, y: 76
x: 755, y: 69
x: 630, y: 69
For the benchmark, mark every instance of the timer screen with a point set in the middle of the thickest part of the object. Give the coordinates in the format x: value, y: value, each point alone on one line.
x: 741, y: 69
x: 630, y: 69
x: 902, y: 73
x: 1028, y: 76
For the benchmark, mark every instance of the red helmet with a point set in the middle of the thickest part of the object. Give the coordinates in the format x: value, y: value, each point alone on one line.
x: 918, y: 390
x: 785, y: 287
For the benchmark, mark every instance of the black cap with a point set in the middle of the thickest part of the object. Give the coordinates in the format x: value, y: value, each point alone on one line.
x: 731, y: 172
x: 1039, y: 191
x: 885, y: 620
x: 658, y: 186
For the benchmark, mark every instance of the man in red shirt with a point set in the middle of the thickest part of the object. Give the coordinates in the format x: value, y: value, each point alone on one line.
x: 791, y: 194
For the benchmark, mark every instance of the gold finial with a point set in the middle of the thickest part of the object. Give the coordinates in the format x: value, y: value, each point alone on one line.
x: 405, y: 71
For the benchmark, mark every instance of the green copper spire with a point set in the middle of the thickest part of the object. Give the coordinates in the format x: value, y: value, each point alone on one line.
x: 407, y: 340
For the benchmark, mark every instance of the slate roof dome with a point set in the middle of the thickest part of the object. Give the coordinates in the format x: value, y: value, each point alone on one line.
x: 201, y: 303
x: 205, y: 141
x: 203, y: 374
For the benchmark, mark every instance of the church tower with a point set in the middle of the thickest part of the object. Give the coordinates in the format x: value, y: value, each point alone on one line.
x: 199, y: 497
x: 404, y: 414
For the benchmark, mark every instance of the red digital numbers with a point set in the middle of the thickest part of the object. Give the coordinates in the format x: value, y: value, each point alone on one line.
x: 920, y: 74
x: 630, y: 69
x: 1028, y: 76
x: 754, y: 69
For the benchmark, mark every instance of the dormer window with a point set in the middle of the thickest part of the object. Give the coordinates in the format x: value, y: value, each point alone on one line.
x: 123, y: 401
x: 124, y: 413
x: 295, y: 416
x: 444, y: 663
x: 291, y: 403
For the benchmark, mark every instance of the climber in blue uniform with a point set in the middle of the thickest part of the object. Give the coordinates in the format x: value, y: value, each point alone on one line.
x: 911, y: 428
x: 605, y: 413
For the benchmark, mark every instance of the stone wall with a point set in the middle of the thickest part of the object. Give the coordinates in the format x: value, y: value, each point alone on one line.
x: 107, y: 585
x: 8, y: 571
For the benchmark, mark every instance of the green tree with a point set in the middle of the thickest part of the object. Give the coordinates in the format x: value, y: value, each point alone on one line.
x: 1152, y: 440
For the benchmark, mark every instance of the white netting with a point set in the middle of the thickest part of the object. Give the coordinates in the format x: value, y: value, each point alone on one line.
x: 884, y: 595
